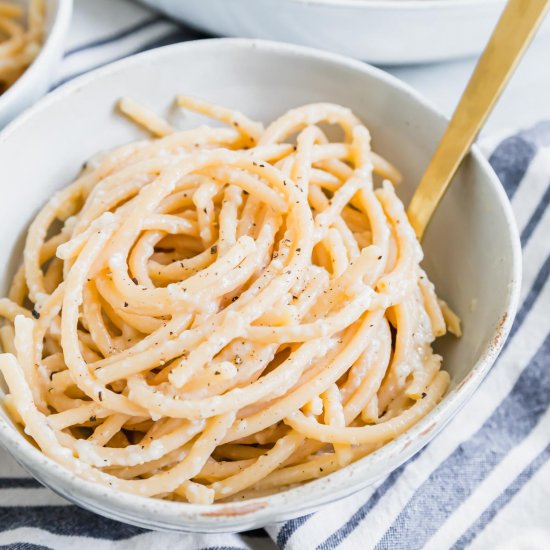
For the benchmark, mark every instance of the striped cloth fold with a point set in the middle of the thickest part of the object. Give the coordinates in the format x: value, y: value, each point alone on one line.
x: 483, y: 483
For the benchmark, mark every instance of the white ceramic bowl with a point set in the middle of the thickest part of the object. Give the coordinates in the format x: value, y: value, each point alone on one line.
x: 472, y: 249
x: 378, y: 31
x: 35, y: 81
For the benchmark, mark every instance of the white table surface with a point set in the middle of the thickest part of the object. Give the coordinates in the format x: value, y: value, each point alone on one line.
x: 525, y: 101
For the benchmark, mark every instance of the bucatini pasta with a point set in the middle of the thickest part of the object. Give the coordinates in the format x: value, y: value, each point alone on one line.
x: 223, y: 312
x: 19, y: 45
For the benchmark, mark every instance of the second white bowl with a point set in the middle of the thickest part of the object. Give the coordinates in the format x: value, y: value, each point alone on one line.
x: 36, y: 80
x: 384, y: 32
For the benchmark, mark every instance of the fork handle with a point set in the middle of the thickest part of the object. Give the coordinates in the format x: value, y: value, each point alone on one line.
x: 513, y: 33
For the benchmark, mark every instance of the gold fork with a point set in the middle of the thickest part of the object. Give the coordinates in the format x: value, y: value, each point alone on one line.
x: 513, y: 33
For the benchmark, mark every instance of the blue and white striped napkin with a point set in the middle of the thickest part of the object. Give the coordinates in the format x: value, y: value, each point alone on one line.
x: 484, y: 483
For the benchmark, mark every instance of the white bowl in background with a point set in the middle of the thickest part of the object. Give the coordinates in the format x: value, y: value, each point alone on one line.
x: 472, y: 246
x: 35, y: 81
x: 384, y: 32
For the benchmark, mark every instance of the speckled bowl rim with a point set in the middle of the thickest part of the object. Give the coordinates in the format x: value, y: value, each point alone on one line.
x: 158, y: 514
